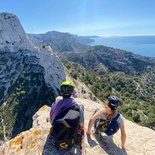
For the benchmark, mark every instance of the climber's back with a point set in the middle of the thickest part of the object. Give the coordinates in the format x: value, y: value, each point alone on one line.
x: 67, y: 120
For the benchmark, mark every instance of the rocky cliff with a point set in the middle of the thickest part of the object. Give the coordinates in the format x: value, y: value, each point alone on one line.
x: 11, y: 32
x: 29, y: 77
x: 140, y: 140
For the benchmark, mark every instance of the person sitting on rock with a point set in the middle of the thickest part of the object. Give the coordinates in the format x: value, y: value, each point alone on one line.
x: 108, y: 120
x: 67, y: 119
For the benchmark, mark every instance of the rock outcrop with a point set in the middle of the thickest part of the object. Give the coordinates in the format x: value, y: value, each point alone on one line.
x: 11, y: 31
x: 140, y: 140
x: 29, y: 77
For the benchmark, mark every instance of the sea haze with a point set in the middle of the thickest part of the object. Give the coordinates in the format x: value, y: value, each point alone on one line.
x: 143, y: 45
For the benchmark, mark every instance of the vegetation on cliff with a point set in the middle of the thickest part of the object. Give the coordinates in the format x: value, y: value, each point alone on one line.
x: 136, y: 91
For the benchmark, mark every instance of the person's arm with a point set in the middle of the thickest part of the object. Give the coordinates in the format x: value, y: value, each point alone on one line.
x: 91, y: 121
x: 82, y: 132
x: 123, y: 137
x: 82, y: 138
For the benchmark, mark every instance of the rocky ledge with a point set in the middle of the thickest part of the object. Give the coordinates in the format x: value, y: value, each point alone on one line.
x: 140, y: 140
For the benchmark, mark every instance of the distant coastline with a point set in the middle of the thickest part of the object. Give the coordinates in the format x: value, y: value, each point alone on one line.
x: 142, y: 45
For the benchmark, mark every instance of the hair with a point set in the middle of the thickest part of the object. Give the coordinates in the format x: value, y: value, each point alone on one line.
x: 66, y: 96
x: 113, y: 108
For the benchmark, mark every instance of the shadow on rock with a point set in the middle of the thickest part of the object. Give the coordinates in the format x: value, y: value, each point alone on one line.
x: 91, y: 142
x: 107, y: 144
x: 50, y: 149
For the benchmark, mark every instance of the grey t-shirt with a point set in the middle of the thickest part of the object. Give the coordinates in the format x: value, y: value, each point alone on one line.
x: 120, y: 119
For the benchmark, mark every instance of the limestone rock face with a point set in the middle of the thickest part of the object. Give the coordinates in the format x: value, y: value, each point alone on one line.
x: 140, y: 140
x: 11, y: 31
x: 29, y: 77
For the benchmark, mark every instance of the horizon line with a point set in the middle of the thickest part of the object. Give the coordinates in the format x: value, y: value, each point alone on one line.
x: 95, y: 35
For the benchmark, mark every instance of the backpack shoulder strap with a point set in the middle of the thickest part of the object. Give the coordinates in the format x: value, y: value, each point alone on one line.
x: 117, y: 116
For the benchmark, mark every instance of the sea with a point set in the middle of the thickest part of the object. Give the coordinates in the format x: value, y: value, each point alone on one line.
x: 142, y: 45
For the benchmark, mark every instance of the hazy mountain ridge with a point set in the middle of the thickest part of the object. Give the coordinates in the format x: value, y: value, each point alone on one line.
x: 61, y: 42
x: 110, y: 60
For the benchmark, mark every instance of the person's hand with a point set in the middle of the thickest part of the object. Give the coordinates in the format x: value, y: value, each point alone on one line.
x: 124, y: 148
x: 83, y: 151
x: 88, y: 132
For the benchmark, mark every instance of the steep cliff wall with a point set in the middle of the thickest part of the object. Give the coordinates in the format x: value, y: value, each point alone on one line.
x: 29, y: 77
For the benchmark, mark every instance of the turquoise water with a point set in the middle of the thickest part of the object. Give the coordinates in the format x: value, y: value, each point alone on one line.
x: 142, y: 45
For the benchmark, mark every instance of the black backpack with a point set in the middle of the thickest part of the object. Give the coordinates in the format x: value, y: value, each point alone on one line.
x: 65, y: 127
x: 109, y: 127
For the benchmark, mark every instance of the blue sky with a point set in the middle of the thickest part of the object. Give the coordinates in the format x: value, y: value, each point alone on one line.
x: 85, y: 17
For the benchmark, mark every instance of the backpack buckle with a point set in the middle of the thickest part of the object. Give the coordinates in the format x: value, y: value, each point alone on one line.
x: 63, y: 145
x: 104, y: 123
